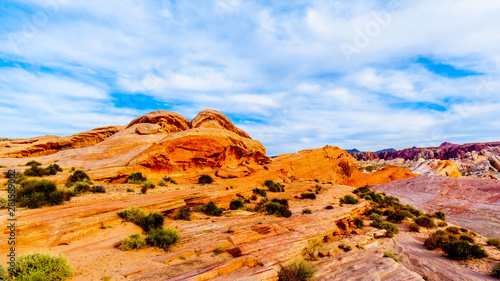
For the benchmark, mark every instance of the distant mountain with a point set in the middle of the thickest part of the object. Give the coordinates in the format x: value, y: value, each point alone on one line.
x: 352, y: 150
x: 384, y: 150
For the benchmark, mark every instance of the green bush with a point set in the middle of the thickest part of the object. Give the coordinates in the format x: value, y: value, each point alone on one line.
x: 385, y: 225
x: 129, y: 189
x: 399, y: 216
x: 211, y: 209
x: 274, y: 208
x: 358, y: 222
x: 144, y: 189
x: 283, y: 201
x: 81, y: 187
x: 274, y: 187
x: 468, y: 238
x: 425, y: 221
x: 496, y: 271
x: 152, y: 221
x: 205, y: 179
x: 306, y: 211
x: 261, y: 192
x: 33, y: 163
x: 42, y: 266
x: 463, y: 250
x: 163, y: 238
x: 349, y: 199
x: 148, y: 184
x: 134, y: 241
x: 56, y: 197
x: 391, y: 255
x: 237, y: 204
x: 414, y: 227
x: 374, y: 210
x: 52, y: 169
x: 296, y: 271
x: 440, y: 215
x: 308, y: 195
x: 78, y: 175
x: 35, y: 171
x: 438, y: 240
x: 4, y: 203
x: 345, y: 247
x: 132, y: 214
x: 375, y: 216
x: 165, y: 180
x: 136, y: 178
x: 361, y: 190
x: 219, y: 250
x: 37, y: 193
x: 98, y: 189
x: 183, y: 213
x: 442, y: 224
x: 453, y: 229
x: 494, y: 242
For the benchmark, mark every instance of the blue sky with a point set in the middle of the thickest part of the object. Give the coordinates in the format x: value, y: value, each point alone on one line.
x: 293, y: 74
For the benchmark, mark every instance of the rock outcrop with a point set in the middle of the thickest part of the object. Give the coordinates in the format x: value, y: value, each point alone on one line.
x: 436, y: 167
x: 385, y: 175
x: 170, y: 122
x: 213, y: 119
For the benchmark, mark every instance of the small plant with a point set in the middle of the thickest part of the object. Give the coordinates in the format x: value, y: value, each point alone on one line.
x: 442, y: 224
x: 308, y: 195
x: 261, y: 192
x: 253, y: 197
x: 375, y: 216
x: 37, y: 193
x: 130, y: 189
x: 349, y: 199
x: 496, y: 271
x: 274, y: 208
x: 274, y: 187
x: 132, y: 214
x: 319, y: 187
x: 33, y: 163
x: 78, y: 176
x: 282, y: 201
x: 453, y: 229
x: 440, y: 215
x: 391, y: 255
x: 52, y: 169
x: 205, y: 179
x: 4, y: 203
x: 134, y: 241
x: 211, y: 209
x: 374, y: 210
x: 219, y: 250
x: 493, y: 242
x: 399, y: 216
x: 237, y: 204
x: 464, y: 230
x: 56, y: 197
x: 425, y: 221
x: 468, y: 238
x: 463, y: 250
x: 391, y: 228
x: 42, y: 266
x: 414, y: 227
x: 148, y: 184
x: 328, y: 207
x: 306, y: 211
x: 144, y: 189
x: 163, y: 238
x: 358, y: 222
x: 98, y: 189
x: 136, y: 178
x: 345, y: 248
x: 296, y: 271
x: 81, y: 187
x: 183, y: 213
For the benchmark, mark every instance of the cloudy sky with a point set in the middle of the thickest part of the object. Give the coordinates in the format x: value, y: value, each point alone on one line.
x: 294, y: 74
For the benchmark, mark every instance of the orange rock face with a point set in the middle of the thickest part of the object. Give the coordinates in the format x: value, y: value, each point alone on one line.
x: 169, y: 121
x: 213, y: 119
x: 385, y: 175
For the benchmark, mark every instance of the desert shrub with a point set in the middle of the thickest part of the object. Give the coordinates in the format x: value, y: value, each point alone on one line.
x: 442, y: 224
x: 496, y: 271
x: 261, y: 192
x: 273, y: 186
x: 4, y: 203
x: 308, y: 195
x: 132, y: 214
x: 129, y: 189
x: 306, y: 211
x: 211, y: 209
x: 52, y: 169
x: 37, y: 193
x: 453, y: 229
x: 349, y: 199
x: 361, y: 190
x: 399, y: 216
x: 56, y: 197
x: 494, y: 242
x: 374, y: 210
x: 136, y: 178
x: 468, y: 238
x: 183, y: 213
x: 344, y: 247
x: 134, y: 241
x: 152, y: 221
x: 375, y: 216
x: 81, y: 187
x: 98, y: 189
x: 283, y: 201
x: 35, y: 171
x: 144, y: 189
x: 163, y: 238
x: 205, y: 179
x: 237, y: 204
x: 329, y: 207
x: 148, y: 184
x: 165, y: 180
x: 42, y: 266
x: 463, y: 250
x: 438, y: 240
x: 78, y: 175
x: 274, y: 208
x: 296, y: 271
x: 391, y: 255
x: 425, y: 221
x: 318, y: 188
x: 411, y: 209
x: 414, y: 227
x: 34, y: 200
x: 253, y: 197
x: 219, y: 250
x: 464, y: 230
x: 440, y: 215
x: 385, y: 225
x: 33, y: 163
x: 358, y: 222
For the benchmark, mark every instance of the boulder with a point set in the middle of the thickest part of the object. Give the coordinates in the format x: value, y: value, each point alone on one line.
x: 209, y: 118
x: 147, y: 129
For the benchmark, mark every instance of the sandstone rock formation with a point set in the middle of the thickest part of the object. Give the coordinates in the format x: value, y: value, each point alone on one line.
x: 471, y: 203
x: 169, y: 121
x: 212, y: 119
x: 436, y: 167
x: 385, y: 175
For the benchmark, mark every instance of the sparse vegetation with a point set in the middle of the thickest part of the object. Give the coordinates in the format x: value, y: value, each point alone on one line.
x: 440, y: 215
x: 306, y: 211
x: 152, y: 221
x: 391, y: 228
x: 98, y: 189
x: 453, y: 230
x: 78, y: 176
x: 414, y: 227
x: 494, y: 242
x: 130, y: 189
x: 4, y: 203
x: 148, y: 184
x: 425, y: 221
x: 399, y: 215
x: 37, y: 193
x: 349, y: 199
x: 219, y: 250
x: 275, y: 208
x: 183, y: 213
x: 441, y: 224
x: 132, y: 214
x: 42, y: 266
x: 81, y: 187
x: 211, y: 209
x: 236, y: 204
x: 205, y: 179
x: 134, y: 241
x: 261, y: 192
x: 33, y: 163
x: 308, y: 195
x: 391, y: 255
x: 296, y: 271
x: 463, y: 250
x: 274, y: 187
x: 345, y: 248
x: 165, y: 180
x: 358, y: 222
x: 136, y: 178
x: 163, y: 238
